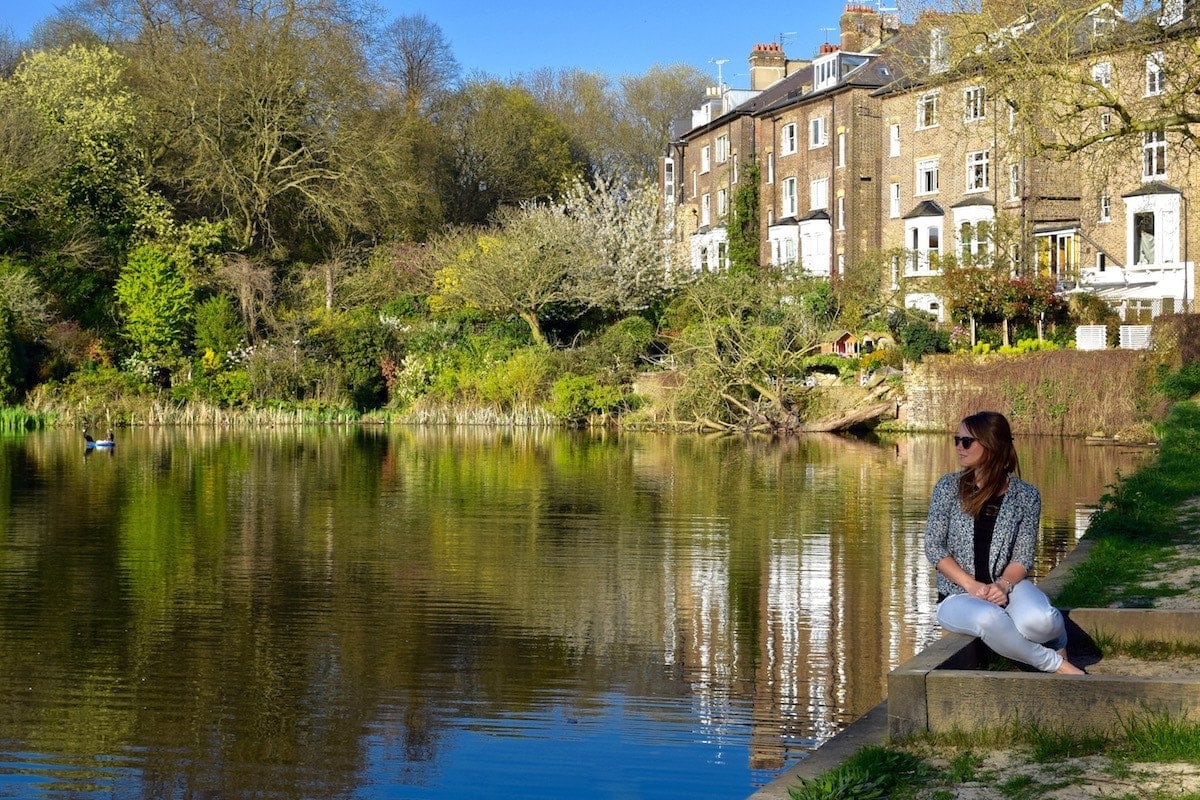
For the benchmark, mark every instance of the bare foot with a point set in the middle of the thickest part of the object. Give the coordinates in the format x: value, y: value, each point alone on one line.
x: 1067, y: 668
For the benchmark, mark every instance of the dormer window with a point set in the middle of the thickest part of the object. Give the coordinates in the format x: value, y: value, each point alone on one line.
x: 939, y: 50
x: 825, y: 72
x: 1103, y: 22
x: 1172, y: 12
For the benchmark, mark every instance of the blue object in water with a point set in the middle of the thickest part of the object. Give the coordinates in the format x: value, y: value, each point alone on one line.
x: 89, y: 442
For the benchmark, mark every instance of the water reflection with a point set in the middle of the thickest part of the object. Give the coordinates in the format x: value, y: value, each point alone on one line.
x: 430, y: 613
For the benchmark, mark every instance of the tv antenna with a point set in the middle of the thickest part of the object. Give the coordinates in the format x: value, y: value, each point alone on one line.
x: 720, y: 62
x: 785, y: 35
x: 827, y: 31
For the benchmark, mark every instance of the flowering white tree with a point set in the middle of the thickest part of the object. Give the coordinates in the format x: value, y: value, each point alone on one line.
x: 624, y: 243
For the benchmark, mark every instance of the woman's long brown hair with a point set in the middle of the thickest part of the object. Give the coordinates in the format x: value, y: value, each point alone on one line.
x: 989, y: 477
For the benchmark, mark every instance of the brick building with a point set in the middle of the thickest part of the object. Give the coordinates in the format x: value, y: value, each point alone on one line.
x: 891, y: 143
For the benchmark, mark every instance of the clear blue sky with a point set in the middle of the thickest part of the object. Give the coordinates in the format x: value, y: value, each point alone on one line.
x: 506, y: 37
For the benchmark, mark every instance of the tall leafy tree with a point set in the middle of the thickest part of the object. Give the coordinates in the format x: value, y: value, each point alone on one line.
x: 504, y: 148
x: 263, y: 114
x: 156, y: 302
x: 649, y: 102
x: 79, y: 97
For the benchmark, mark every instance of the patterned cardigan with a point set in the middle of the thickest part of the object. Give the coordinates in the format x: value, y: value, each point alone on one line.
x: 950, y: 531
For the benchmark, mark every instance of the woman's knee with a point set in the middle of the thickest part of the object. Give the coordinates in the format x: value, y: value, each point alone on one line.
x: 971, y: 616
x: 1040, y: 624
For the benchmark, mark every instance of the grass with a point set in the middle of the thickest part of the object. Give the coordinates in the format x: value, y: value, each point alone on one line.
x: 16, y: 420
x: 1139, y: 520
x: 1161, y: 739
x: 1144, y: 649
x: 873, y: 773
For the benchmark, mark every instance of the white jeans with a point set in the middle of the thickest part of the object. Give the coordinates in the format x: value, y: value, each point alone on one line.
x: 1028, y: 629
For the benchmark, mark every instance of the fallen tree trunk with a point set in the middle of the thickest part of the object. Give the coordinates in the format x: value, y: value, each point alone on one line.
x: 854, y: 418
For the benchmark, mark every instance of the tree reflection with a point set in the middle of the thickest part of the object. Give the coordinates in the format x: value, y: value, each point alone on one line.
x: 296, y: 613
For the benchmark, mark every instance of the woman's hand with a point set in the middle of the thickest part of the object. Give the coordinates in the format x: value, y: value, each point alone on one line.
x: 992, y: 592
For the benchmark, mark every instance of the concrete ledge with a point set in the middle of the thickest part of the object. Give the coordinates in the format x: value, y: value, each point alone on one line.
x: 938, y: 691
x: 1139, y: 624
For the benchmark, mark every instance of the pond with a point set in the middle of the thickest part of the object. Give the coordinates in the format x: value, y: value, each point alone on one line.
x: 442, y: 613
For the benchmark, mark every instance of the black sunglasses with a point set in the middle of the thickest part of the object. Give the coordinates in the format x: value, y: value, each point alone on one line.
x: 964, y: 441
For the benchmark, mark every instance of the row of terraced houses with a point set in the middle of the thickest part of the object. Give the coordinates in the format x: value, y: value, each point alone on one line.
x: 874, y: 149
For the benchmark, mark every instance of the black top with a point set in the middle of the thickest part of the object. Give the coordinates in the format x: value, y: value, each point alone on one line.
x: 985, y: 525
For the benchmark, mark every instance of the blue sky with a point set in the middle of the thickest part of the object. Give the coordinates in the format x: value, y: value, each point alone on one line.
x: 503, y: 38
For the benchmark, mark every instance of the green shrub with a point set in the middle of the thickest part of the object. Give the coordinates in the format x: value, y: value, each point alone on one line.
x: 574, y: 398
x: 518, y: 380
x: 156, y: 301
x: 1028, y: 346
x: 231, y: 388
x: 218, y: 327
x: 884, y: 357
x: 829, y: 363
x: 921, y: 337
x: 627, y: 342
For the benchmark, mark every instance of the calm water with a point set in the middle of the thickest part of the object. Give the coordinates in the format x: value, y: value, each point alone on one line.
x: 436, y: 614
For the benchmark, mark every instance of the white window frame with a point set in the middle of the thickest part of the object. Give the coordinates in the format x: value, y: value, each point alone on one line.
x: 722, y: 203
x: 969, y: 223
x: 925, y: 168
x: 1172, y: 12
x: 1155, y: 76
x: 705, y: 159
x: 894, y: 140
x: 818, y: 132
x: 825, y: 72
x: 841, y: 212
x: 705, y: 209
x: 818, y: 194
x: 923, y: 241
x: 1105, y: 207
x: 978, y: 171
x: 770, y: 167
x: 1164, y: 210
x: 816, y: 245
x: 1154, y: 155
x: 841, y: 155
x: 1105, y: 120
x: 722, y: 149
x: 787, y: 139
x: 974, y: 104
x: 669, y: 181
x: 894, y: 201
x: 1102, y: 74
x: 789, y: 199
x: 927, y: 111
x: 1014, y: 181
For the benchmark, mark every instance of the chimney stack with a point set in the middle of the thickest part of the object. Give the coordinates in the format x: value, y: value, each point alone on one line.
x: 861, y: 29
x: 768, y: 64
